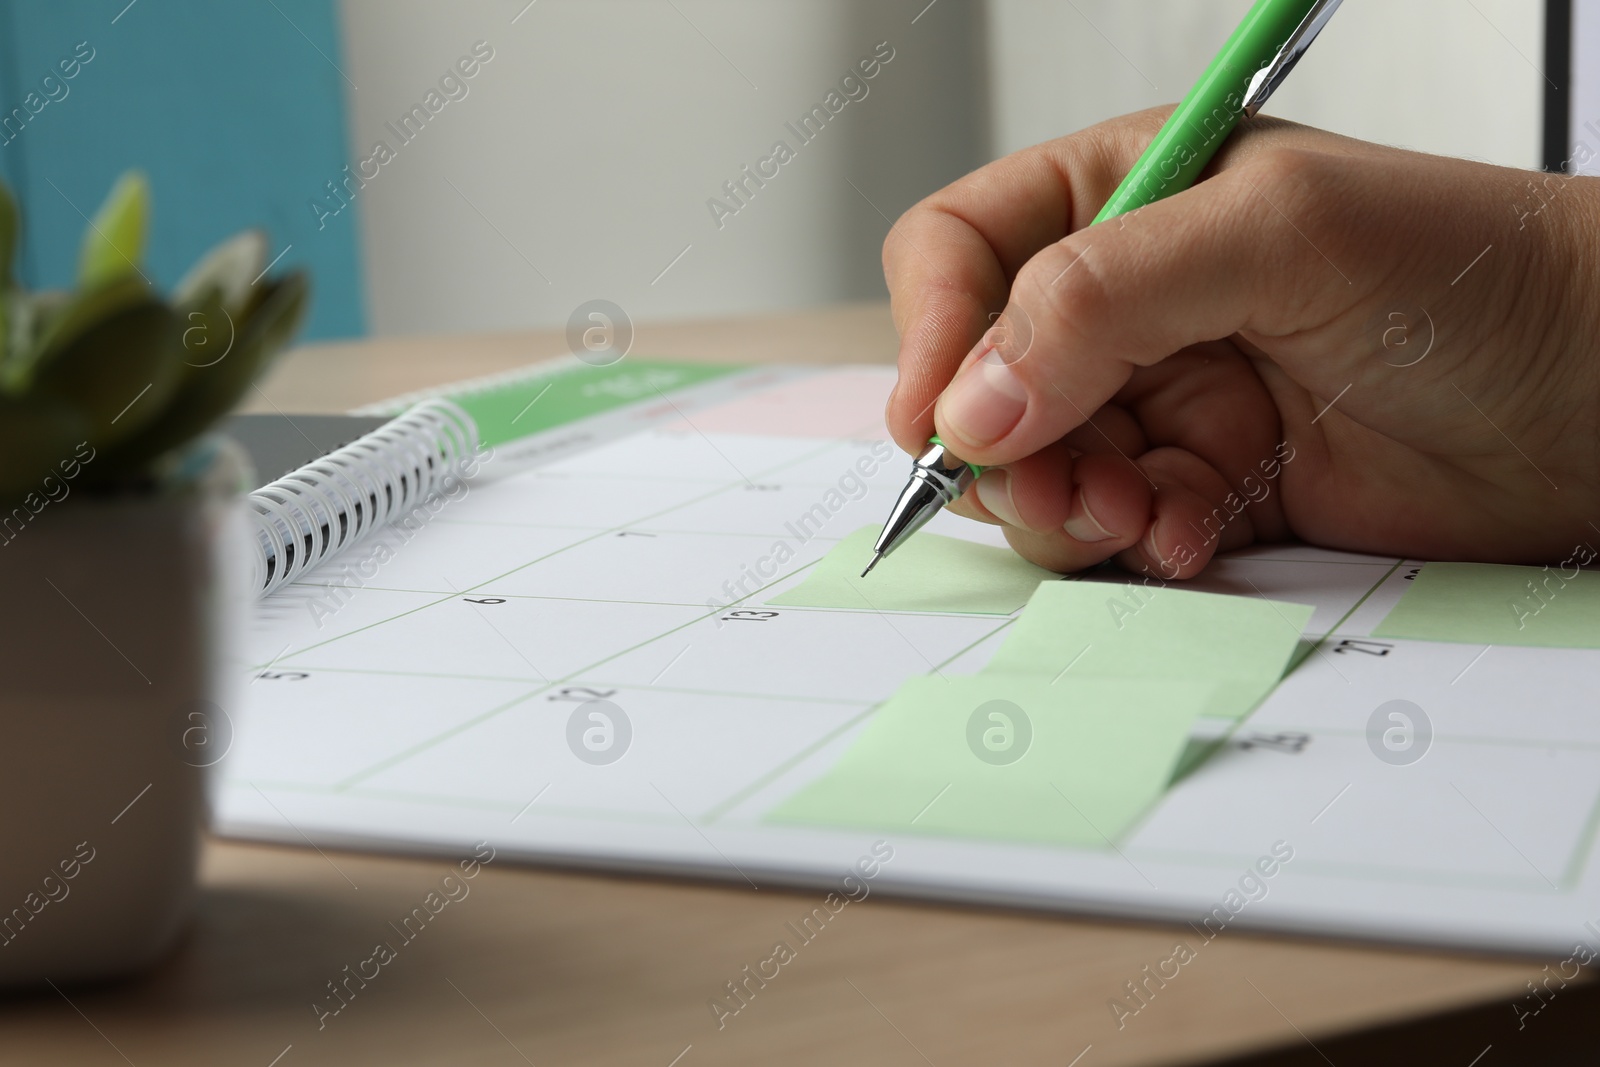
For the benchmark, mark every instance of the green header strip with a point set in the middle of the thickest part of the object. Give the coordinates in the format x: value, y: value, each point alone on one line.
x: 520, y: 408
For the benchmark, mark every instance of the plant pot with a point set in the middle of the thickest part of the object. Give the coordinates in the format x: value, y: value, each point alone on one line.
x: 122, y: 611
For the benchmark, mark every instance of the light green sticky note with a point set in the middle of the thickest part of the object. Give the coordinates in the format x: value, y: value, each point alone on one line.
x: 1493, y: 604
x: 1007, y: 758
x: 927, y: 573
x: 1240, y: 645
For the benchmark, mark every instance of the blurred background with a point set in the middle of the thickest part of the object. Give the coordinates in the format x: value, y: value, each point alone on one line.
x: 585, y: 154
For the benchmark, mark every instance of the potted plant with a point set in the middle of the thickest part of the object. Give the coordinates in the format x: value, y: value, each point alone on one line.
x: 121, y: 542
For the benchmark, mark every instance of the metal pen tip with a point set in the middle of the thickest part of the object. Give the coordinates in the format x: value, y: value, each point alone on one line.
x: 876, y: 556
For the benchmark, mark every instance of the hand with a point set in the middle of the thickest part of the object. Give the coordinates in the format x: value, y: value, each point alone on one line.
x: 1366, y: 348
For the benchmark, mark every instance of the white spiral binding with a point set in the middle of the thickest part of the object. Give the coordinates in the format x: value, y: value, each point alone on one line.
x: 327, y: 506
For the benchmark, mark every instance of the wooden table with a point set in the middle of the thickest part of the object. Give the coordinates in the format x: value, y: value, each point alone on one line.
x: 561, y: 968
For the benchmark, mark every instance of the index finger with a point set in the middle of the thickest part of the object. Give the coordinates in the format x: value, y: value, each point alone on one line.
x: 950, y: 260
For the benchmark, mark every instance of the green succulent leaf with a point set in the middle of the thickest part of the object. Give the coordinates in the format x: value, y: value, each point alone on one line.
x: 113, y: 245
x: 210, y: 390
x: 72, y: 315
x: 228, y: 269
x: 118, y: 365
x: 273, y: 321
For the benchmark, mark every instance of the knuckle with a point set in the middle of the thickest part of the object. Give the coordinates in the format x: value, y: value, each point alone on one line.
x: 1305, y: 189
x: 1066, y: 288
x: 1285, y: 168
x: 1293, y: 181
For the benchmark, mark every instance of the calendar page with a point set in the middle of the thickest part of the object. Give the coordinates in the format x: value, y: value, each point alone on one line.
x: 576, y: 661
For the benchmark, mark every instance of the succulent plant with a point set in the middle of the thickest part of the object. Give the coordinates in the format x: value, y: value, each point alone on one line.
x: 117, y: 366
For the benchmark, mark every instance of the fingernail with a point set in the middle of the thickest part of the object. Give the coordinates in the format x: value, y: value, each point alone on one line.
x: 994, y: 493
x: 1081, y: 523
x: 984, y: 403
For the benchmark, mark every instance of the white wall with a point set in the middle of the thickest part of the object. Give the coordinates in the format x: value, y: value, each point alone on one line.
x: 1457, y: 77
x: 591, y: 142
x: 589, y: 145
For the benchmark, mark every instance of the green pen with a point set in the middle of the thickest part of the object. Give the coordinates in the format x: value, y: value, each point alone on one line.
x: 1253, y: 63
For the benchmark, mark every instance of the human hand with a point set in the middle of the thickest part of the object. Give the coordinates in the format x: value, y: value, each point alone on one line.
x: 1366, y: 348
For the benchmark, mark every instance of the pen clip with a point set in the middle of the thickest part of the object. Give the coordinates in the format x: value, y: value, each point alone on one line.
x: 1269, y: 77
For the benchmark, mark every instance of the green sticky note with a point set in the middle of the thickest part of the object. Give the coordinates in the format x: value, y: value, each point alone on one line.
x: 927, y: 573
x: 1240, y: 645
x: 1007, y: 758
x: 1492, y: 604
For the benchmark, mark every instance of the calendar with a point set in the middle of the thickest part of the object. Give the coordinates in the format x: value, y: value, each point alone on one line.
x: 576, y: 660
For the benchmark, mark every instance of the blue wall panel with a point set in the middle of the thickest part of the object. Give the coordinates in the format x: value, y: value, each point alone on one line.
x: 235, y: 110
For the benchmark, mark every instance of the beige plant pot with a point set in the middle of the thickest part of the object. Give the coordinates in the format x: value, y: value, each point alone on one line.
x: 120, y: 616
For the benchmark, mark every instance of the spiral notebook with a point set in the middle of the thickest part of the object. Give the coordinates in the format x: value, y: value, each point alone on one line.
x: 341, y: 479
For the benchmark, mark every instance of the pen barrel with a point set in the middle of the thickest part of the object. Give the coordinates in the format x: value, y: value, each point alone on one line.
x: 1210, y: 111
